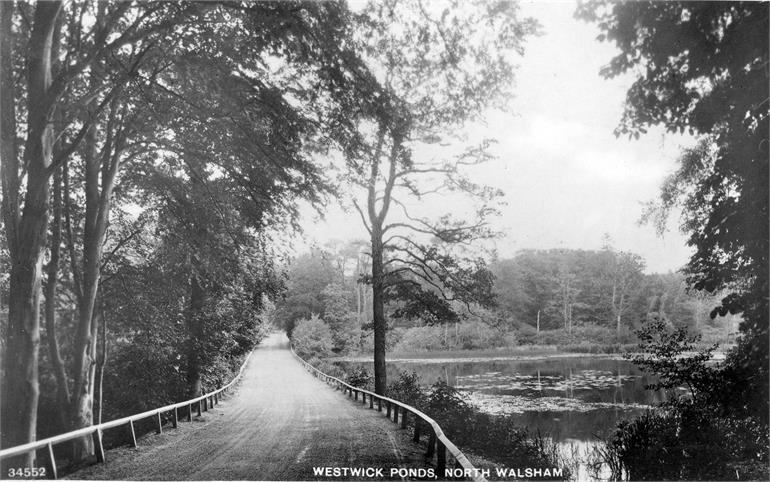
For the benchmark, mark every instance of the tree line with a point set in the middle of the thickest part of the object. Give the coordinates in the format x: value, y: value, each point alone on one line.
x: 534, y: 291
x: 562, y: 288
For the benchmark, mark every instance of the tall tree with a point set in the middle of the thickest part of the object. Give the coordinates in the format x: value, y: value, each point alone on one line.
x: 439, y: 66
x: 26, y: 227
x: 703, y: 67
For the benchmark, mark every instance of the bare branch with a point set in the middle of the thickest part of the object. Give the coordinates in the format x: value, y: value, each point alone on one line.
x: 363, y: 217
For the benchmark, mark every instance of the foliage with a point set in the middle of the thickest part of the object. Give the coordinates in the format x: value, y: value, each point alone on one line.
x: 406, y: 388
x: 464, y: 335
x: 180, y: 111
x: 360, y: 377
x: 694, y: 436
x: 690, y: 444
x: 312, y: 338
x: 569, y: 287
x: 672, y: 356
x: 346, y: 330
x: 702, y: 67
x: 445, y: 65
x: 498, y: 438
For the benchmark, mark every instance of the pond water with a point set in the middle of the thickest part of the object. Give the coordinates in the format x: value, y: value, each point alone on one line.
x: 571, y: 399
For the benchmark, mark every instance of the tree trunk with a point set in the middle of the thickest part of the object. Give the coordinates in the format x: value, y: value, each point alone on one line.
x: 57, y: 364
x: 20, y: 380
x: 358, y: 289
x: 195, y: 329
x: 9, y: 161
x: 101, y: 363
x: 98, y: 201
x: 378, y: 311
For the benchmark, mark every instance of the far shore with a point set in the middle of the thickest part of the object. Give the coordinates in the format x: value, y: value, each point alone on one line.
x: 526, y: 352
x: 534, y: 352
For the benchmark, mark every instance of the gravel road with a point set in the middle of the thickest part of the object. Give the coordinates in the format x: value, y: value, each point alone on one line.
x: 280, y: 424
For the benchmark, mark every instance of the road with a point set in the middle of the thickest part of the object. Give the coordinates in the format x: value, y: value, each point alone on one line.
x: 280, y: 424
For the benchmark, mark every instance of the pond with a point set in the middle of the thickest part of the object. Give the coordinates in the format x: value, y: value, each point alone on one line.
x: 571, y: 399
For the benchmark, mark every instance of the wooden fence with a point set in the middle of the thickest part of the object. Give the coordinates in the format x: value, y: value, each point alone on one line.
x: 198, y: 405
x: 438, y: 443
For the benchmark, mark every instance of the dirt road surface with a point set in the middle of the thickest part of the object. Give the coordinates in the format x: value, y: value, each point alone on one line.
x: 280, y: 424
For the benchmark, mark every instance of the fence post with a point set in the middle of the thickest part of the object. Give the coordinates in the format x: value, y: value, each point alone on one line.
x: 387, y: 405
x: 51, y: 462
x: 417, y: 423
x: 189, y: 413
x: 379, y: 405
x: 403, y: 417
x: 133, y: 433
x: 199, y: 408
x: 356, y: 397
x: 160, y: 423
x: 98, y: 447
x: 395, y: 414
x: 175, y: 419
x: 431, y: 445
x: 371, y: 401
x: 440, y: 458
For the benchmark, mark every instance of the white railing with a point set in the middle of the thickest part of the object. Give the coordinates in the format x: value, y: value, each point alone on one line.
x: 202, y: 403
x: 438, y: 443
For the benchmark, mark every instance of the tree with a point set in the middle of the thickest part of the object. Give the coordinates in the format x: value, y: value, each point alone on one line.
x: 443, y: 65
x: 85, y: 85
x: 312, y: 338
x: 345, y: 327
x: 625, y: 275
x: 703, y: 68
x: 308, y: 275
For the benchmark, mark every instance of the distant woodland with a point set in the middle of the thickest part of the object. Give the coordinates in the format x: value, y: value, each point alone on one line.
x: 564, y: 297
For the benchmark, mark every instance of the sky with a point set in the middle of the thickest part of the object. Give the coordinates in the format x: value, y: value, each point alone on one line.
x: 568, y: 180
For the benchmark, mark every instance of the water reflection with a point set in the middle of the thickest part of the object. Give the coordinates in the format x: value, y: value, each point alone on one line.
x: 570, y: 398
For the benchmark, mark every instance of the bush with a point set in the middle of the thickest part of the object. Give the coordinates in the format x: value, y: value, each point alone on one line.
x: 360, y: 377
x: 695, y: 436
x: 312, y: 338
x: 690, y: 443
x: 467, y: 335
x: 407, y: 389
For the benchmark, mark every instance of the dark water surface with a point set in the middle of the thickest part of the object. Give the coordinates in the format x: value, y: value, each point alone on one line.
x: 568, y: 398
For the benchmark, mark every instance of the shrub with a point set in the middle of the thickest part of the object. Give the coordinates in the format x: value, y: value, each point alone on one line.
x: 360, y: 377
x: 312, y: 338
x: 466, y: 335
x: 690, y: 443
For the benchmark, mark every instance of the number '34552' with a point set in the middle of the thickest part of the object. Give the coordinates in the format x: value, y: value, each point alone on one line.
x: 26, y: 472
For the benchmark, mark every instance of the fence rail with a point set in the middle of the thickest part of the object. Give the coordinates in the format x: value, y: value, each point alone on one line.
x: 199, y: 404
x: 438, y: 443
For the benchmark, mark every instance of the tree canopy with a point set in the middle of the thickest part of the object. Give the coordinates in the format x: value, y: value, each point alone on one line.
x: 702, y: 67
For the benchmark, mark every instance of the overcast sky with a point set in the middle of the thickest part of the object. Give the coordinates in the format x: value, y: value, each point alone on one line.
x: 567, y: 179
